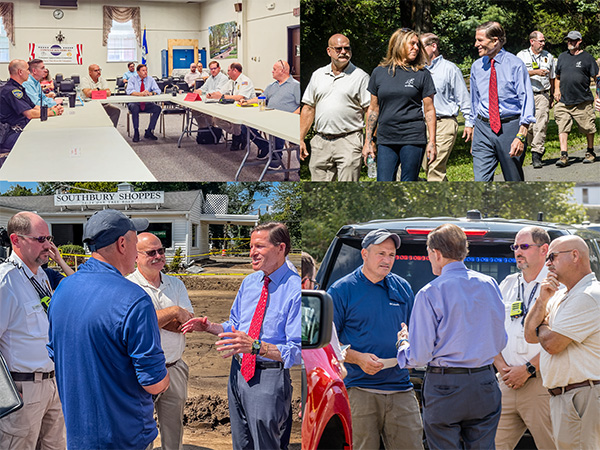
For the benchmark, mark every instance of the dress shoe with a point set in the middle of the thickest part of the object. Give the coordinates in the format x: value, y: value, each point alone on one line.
x: 148, y: 135
x: 136, y: 136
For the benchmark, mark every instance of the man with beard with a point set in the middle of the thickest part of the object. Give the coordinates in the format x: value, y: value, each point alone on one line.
x: 567, y: 325
x: 173, y: 308
x: 264, y: 327
x: 525, y: 401
x: 336, y: 99
x: 24, y: 297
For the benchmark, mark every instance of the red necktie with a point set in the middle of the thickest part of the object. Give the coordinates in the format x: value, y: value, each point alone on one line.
x: 142, y: 89
x: 249, y: 360
x: 494, y: 109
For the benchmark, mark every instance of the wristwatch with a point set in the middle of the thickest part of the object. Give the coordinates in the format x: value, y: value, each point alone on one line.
x: 530, y: 368
x: 256, y: 347
x: 522, y: 138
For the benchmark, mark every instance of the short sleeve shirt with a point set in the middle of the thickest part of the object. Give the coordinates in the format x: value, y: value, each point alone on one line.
x: 284, y: 96
x: 575, y: 72
x: 243, y: 86
x: 400, y: 97
x: 339, y: 100
x: 532, y: 61
x: 13, y: 102
x: 88, y: 83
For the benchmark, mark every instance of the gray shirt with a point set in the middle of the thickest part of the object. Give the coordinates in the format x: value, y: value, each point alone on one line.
x: 340, y: 100
x: 450, y: 90
x: 284, y: 96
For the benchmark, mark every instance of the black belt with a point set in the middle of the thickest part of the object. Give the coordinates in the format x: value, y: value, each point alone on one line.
x: 445, y: 117
x: 457, y: 370
x: 542, y: 92
x: 502, y: 119
x: 262, y: 364
x: 331, y: 137
x: 20, y: 376
x: 171, y: 364
x: 561, y: 390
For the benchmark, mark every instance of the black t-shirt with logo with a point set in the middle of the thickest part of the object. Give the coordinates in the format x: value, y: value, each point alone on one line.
x: 575, y: 72
x: 400, y: 109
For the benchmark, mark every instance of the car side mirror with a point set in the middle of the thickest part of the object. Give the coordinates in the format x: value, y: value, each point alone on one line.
x: 317, y: 319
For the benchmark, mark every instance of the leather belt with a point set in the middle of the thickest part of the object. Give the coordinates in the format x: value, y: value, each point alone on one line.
x: 262, y: 364
x: 502, y: 119
x: 20, y: 376
x: 171, y: 364
x: 332, y: 137
x: 561, y: 390
x: 445, y: 117
x: 542, y: 92
x: 457, y: 370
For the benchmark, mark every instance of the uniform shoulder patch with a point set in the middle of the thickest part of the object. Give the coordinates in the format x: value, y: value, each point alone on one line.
x: 18, y: 93
x: 244, y: 83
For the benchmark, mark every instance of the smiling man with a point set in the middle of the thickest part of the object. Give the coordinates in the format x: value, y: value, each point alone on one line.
x: 502, y: 107
x: 173, y: 309
x: 24, y: 296
x: 263, y: 335
x: 567, y: 325
x: 370, y: 305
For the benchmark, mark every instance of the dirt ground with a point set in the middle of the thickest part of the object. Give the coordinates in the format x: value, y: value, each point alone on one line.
x: 206, y: 416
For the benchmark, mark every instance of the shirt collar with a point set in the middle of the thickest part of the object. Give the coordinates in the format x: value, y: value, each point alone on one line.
x: 277, y: 276
x: 583, y: 283
x: 15, y: 258
x: 347, y: 70
x: 499, y: 58
x: 144, y: 282
x: 435, y: 61
x: 33, y: 80
x: 454, y: 265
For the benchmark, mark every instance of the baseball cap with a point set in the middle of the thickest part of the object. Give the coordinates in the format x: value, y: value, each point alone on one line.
x: 108, y: 225
x: 378, y: 236
x: 573, y: 35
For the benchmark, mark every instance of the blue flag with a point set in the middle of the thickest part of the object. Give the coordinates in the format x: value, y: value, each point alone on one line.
x: 144, y: 47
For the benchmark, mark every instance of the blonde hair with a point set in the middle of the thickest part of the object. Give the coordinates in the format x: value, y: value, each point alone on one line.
x: 397, y: 53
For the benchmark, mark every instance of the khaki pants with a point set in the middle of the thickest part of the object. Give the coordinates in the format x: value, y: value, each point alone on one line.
x: 445, y: 137
x: 341, y: 157
x: 536, y: 136
x: 525, y: 408
x: 575, y: 418
x: 169, y: 407
x: 394, y: 417
x: 39, y: 424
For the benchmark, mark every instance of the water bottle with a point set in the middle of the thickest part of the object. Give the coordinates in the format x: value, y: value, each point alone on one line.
x: 262, y: 103
x: 371, y: 167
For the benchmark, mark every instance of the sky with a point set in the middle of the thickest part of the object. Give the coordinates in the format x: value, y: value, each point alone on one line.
x: 6, y: 185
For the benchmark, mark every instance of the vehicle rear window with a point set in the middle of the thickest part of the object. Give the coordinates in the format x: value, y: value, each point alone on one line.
x: 412, y: 263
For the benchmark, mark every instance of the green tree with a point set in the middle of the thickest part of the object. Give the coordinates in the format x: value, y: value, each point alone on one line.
x: 16, y: 190
x: 287, y: 208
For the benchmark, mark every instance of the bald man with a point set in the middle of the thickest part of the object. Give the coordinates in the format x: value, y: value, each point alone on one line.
x: 336, y: 99
x: 173, y: 308
x: 567, y: 325
x: 25, y: 294
x: 16, y: 108
x: 95, y: 82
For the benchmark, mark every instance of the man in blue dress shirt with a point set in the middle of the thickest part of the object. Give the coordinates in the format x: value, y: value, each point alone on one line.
x: 259, y: 408
x: 37, y: 72
x: 501, y: 121
x: 141, y: 85
x: 369, y: 304
x: 456, y: 329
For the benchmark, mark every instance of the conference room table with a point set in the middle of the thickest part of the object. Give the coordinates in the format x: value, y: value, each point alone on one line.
x: 81, y: 144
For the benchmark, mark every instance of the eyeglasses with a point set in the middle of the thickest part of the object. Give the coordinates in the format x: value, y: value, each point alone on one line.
x: 339, y: 49
x: 152, y: 253
x: 552, y: 255
x: 282, y: 66
x: 406, y: 30
x: 514, y: 248
x: 40, y: 239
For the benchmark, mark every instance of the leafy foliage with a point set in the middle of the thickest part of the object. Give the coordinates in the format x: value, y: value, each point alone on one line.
x: 287, y: 208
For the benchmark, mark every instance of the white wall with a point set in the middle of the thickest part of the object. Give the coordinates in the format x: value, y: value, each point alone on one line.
x: 264, y: 32
x: 84, y: 25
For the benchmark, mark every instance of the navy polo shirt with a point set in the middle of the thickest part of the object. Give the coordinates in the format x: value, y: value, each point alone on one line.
x: 13, y: 102
x: 368, y: 316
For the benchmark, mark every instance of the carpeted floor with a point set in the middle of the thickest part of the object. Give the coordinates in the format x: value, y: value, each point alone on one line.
x: 194, y: 162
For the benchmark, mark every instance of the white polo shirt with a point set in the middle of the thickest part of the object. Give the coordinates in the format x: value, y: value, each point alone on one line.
x: 88, y: 83
x: 576, y: 315
x: 544, y: 60
x: 171, y: 292
x: 243, y: 86
x: 23, y: 321
x: 340, y: 100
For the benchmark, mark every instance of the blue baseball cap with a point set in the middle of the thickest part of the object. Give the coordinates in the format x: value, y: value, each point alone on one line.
x: 378, y: 236
x: 108, y: 225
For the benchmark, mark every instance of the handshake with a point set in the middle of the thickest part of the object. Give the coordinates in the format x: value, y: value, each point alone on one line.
x: 173, y: 318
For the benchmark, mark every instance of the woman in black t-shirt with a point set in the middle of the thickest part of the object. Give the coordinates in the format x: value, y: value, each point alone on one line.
x: 401, y: 88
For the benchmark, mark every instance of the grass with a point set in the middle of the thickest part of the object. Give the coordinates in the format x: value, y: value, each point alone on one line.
x: 460, y: 164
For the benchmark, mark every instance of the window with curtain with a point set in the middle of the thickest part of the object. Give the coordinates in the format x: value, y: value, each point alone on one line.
x: 122, y: 42
x: 4, y: 42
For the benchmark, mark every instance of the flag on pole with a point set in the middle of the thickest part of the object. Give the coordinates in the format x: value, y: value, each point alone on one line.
x: 144, y: 48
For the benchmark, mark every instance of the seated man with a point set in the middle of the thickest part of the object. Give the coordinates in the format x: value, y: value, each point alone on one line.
x: 240, y: 88
x: 282, y: 94
x: 143, y: 85
x: 33, y: 87
x: 194, y: 74
x: 16, y: 108
x: 216, y: 82
x: 130, y: 72
x: 95, y: 82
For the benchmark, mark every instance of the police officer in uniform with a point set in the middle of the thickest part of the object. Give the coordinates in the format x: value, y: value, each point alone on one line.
x: 16, y: 108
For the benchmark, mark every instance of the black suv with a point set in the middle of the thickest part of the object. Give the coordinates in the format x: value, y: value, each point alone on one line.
x: 489, y: 246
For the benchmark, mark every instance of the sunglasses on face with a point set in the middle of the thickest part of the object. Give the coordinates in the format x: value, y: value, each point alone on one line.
x: 152, y: 253
x: 515, y: 247
x: 552, y: 255
x: 40, y: 239
x: 339, y: 49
